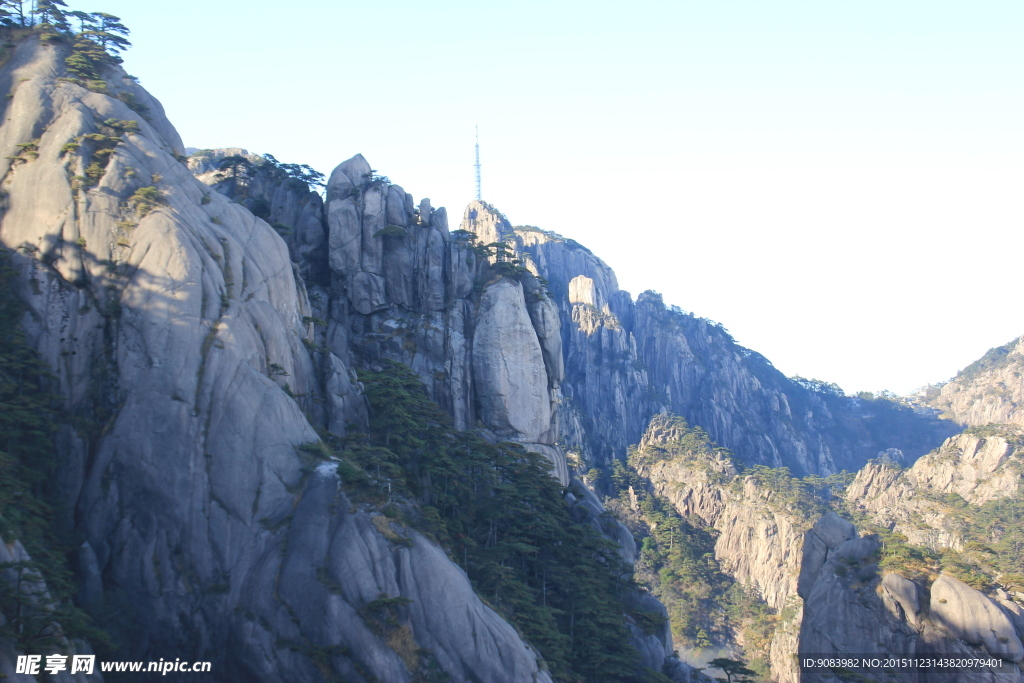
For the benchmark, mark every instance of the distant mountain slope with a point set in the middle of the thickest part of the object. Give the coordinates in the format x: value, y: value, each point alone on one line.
x: 989, y: 390
x: 626, y: 361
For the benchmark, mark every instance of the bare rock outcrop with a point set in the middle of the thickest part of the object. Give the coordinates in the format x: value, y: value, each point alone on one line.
x: 977, y: 466
x: 850, y: 609
x: 989, y: 391
x: 975, y: 619
x: 826, y: 575
x: 627, y: 361
x: 177, y: 330
x: 509, y: 366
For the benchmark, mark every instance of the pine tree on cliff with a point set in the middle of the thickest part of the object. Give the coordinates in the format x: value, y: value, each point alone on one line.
x: 49, y: 13
x: 734, y: 669
x: 109, y: 32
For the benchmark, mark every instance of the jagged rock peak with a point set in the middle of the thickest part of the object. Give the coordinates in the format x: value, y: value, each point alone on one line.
x: 489, y: 224
x: 980, y: 465
x: 350, y: 173
x: 180, y: 337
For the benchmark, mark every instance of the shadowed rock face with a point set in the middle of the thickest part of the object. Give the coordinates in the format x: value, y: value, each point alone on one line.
x: 849, y: 608
x: 295, y: 211
x: 828, y: 572
x: 176, y: 338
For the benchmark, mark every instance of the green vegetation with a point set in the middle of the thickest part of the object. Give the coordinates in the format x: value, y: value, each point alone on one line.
x: 145, y: 200
x: 992, y: 360
x: 993, y: 546
x: 103, y: 145
x: 374, y: 179
x: 677, y: 560
x: 303, y: 173
x: 96, y: 40
x: 707, y: 608
x: 991, y: 533
x: 27, y: 425
x: 27, y: 151
x: 461, y: 235
x: 506, y: 263
x: 818, y: 386
x: 734, y: 670
x: 498, y: 512
x: 241, y: 171
x: 100, y: 39
x: 391, y: 231
x: 235, y: 168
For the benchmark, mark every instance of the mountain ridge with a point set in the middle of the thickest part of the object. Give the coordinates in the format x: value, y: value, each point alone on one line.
x: 216, y: 340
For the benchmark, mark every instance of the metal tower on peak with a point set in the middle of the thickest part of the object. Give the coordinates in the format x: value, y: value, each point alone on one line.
x: 477, y: 165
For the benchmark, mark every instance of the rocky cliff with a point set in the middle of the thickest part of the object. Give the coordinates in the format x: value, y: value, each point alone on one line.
x: 179, y: 334
x: 852, y: 608
x: 204, y: 328
x: 387, y: 280
x: 759, y: 524
x: 830, y: 590
x: 626, y: 361
x: 926, y: 502
x: 988, y: 391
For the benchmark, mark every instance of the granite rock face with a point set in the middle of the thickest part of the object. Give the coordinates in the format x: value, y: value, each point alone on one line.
x: 978, y: 466
x: 975, y: 619
x: 210, y: 330
x: 509, y: 368
x: 757, y: 542
x: 180, y: 328
x: 849, y: 608
x: 826, y: 575
x: 627, y: 361
x: 989, y: 391
x: 759, y: 538
x: 485, y: 342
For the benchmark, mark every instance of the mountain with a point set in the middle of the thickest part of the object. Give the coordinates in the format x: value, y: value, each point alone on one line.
x: 988, y: 391
x: 173, y: 321
x: 771, y: 566
x: 317, y: 438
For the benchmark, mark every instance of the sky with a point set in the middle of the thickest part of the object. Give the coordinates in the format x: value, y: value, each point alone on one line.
x: 838, y: 182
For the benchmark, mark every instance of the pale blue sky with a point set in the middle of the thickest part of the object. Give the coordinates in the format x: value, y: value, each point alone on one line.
x: 838, y: 182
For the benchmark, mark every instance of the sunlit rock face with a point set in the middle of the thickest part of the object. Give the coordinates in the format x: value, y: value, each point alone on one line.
x: 177, y: 328
x: 626, y: 361
x: 989, y: 391
x: 977, y: 467
x: 199, y: 335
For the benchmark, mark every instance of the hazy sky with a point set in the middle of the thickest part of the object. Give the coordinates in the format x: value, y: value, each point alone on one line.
x: 838, y: 182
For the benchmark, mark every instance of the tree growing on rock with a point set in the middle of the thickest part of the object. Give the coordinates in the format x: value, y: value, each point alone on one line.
x: 235, y: 168
x: 49, y: 13
x: 735, y: 671
x: 108, y: 31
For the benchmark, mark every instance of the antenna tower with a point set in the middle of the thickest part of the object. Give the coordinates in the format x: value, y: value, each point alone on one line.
x: 477, y: 165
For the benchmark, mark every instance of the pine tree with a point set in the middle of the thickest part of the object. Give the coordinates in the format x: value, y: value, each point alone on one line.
x: 235, y: 168
x: 499, y: 512
x: 734, y: 669
x: 109, y: 32
x: 12, y: 13
x: 49, y: 13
